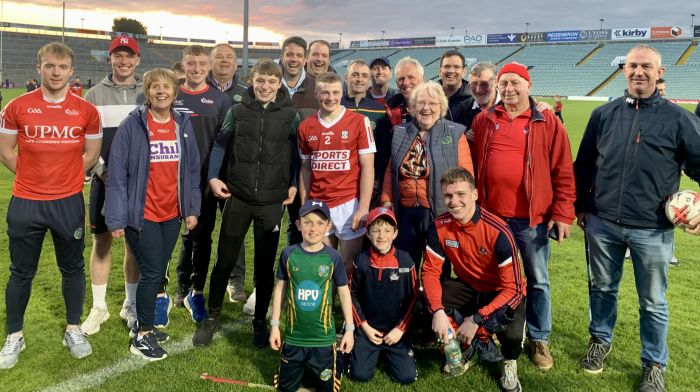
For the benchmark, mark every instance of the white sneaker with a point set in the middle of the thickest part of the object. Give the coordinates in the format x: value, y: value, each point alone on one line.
x: 509, y: 376
x: 249, y: 307
x: 628, y: 254
x: 674, y: 261
x: 97, y: 316
x: 128, y: 313
x: 14, y: 344
x: 77, y: 344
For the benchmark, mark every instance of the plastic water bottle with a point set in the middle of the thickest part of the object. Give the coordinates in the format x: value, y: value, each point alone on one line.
x: 453, y: 354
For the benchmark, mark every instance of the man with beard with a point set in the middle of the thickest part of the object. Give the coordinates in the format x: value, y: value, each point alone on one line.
x: 380, y: 69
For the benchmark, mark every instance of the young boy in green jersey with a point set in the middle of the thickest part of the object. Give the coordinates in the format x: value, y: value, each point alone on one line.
x: 305, y: 278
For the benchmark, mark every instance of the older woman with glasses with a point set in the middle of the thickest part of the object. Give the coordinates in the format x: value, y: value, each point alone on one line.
x: 421, y: 151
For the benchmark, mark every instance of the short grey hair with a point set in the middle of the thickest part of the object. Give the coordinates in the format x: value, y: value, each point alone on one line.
x: 433, y: 89
x: 409, y: 60
x: 355, y: 62
x: 645, y: 47
x: 482, y: 66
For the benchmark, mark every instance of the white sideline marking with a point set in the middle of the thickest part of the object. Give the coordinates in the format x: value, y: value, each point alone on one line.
x: 131, y: 362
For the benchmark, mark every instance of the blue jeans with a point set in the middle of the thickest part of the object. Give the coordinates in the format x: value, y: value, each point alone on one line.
x: 651, y: 251
x: 533, y: 245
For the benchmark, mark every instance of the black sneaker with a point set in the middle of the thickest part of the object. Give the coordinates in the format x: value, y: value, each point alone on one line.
x: 180, y: 297
x: 160, y: 336
x: 147, y: 348
x: 595, y: 357
x: 205, y: 333
x: 261, y: 336
x: 652, y: 379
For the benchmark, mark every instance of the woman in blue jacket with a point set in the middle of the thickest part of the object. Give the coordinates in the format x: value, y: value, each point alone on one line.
x: 153, y: 184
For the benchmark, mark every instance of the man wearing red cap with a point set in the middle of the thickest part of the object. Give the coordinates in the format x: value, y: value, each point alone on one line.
x: 384, y: 289
x: 115, y: 96
x: 525, y: 176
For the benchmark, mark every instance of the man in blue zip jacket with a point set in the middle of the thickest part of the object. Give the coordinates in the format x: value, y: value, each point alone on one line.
x: 628, y: 163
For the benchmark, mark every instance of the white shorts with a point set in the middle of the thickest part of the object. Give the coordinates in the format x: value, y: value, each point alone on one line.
x: 341, y: 219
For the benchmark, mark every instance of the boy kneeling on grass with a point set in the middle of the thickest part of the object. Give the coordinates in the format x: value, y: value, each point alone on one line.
x: 305, y: 277
x: 384, y: 288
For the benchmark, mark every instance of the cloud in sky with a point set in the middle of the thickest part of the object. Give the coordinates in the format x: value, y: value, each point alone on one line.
x: 365, y: 19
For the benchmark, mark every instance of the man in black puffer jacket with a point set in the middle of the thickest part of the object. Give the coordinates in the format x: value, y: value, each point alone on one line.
x: 259, y: 135
x: 628, y: 163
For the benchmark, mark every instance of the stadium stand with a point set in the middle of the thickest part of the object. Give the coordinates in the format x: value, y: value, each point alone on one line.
x: 91, y: 55
x: 565, y: 54
x: 564, y: 68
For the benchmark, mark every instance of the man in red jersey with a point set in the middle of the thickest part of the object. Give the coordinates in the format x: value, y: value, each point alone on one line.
x: 337, y: 151
x: 525, y: 175
x: 58, y: 138
x: 485, y: 292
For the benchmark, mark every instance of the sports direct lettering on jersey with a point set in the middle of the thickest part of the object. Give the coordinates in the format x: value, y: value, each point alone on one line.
x: 332, y: 160
x: 333, y: 151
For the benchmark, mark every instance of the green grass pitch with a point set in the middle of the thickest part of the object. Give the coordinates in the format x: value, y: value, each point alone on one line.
x: 46, y: 365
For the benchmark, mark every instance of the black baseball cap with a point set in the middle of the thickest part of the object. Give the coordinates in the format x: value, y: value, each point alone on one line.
x: 381, y: 59
x: 315, y: 205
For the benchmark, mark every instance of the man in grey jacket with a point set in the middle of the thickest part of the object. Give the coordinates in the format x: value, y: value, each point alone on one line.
x: 115, y: 96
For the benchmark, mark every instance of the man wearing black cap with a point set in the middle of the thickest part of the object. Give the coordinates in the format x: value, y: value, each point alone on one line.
x: 380, y: 69
x: 115, y: 96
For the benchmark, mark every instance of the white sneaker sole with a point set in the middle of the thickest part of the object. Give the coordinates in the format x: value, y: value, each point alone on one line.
x: 138, y: 353
x: 80, y: 356
x: 15, y: 362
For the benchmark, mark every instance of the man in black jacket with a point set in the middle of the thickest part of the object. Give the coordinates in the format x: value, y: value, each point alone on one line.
x: 259, y: 182
x: 452, y: 71
x: 629, y: 161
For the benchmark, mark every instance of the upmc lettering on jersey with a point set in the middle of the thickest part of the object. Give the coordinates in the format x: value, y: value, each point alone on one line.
x: 165, y: 151
x: 66, y: 134
x: 330, y: 160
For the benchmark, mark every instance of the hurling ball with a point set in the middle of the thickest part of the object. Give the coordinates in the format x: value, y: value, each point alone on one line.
x: 683, y: 206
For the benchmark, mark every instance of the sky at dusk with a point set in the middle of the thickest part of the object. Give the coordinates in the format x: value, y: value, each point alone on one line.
x: 273, y: 20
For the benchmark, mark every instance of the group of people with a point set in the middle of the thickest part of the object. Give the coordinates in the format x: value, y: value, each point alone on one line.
x: 440, y: 198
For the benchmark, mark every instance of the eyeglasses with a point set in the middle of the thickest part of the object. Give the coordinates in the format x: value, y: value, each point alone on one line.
x: 452, y: 67
x: 421, y: 104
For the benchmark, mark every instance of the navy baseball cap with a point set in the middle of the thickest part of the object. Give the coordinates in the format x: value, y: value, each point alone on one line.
x: 315, y: 205
x: 380, y: 59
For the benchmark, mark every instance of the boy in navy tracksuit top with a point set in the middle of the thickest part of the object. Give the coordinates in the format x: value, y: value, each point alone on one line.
x: 384, y: 288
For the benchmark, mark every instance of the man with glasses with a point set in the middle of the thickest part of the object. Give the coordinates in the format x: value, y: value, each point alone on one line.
x: 452, y: 71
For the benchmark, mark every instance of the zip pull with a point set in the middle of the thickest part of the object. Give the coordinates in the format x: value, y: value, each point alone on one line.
x: 638, y: 136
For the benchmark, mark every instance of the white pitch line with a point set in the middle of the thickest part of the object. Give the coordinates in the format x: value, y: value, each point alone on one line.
x: 131, y: 363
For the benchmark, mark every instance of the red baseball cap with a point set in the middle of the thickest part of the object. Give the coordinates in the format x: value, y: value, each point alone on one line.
x: 515, y: 68
x: 125, y: 41
x: 381, y: 212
